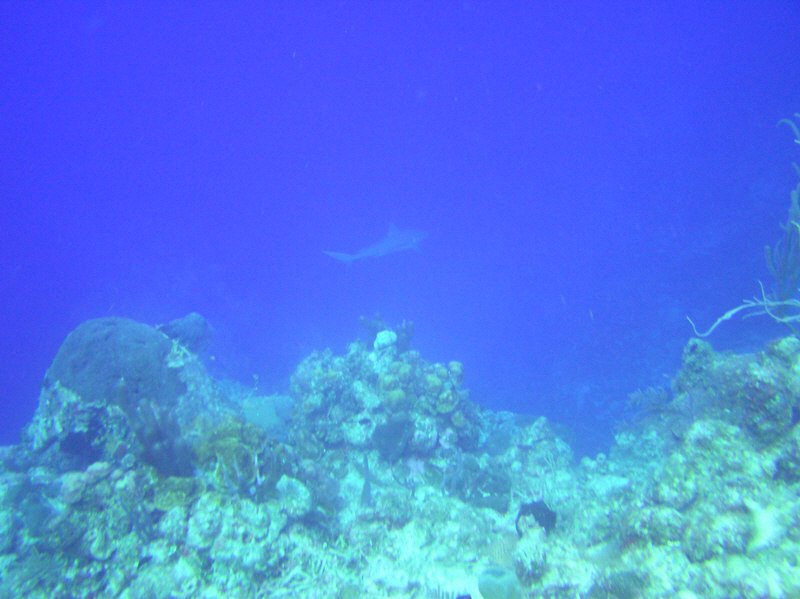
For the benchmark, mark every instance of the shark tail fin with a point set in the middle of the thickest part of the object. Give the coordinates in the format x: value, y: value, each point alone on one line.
x: 346, y: 258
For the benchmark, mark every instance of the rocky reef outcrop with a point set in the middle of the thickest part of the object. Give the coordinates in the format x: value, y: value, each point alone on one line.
x: 378, y: 476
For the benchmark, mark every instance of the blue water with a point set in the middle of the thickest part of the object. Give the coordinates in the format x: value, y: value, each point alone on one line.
x: 587, y: 177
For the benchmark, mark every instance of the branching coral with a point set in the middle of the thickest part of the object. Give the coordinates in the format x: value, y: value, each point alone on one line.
x: 783, y: 261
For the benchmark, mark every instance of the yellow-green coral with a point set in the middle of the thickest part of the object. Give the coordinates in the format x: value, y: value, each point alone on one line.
x: 456, y: 372
x: 395, y: 399
x: 230, y: 450
x: 447, y: 401
x: 176, y: 491
x: 388, y: 382
x: 405, y: 373
x: 458, y: 419
x: 433, y: 384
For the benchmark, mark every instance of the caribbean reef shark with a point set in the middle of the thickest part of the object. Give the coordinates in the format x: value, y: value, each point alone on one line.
x: 396, y: 240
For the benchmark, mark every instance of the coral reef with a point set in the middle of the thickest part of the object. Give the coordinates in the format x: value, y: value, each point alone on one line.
x: 142, y: 476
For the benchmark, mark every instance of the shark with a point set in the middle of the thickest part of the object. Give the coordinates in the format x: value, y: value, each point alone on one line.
x: 396, y: 240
